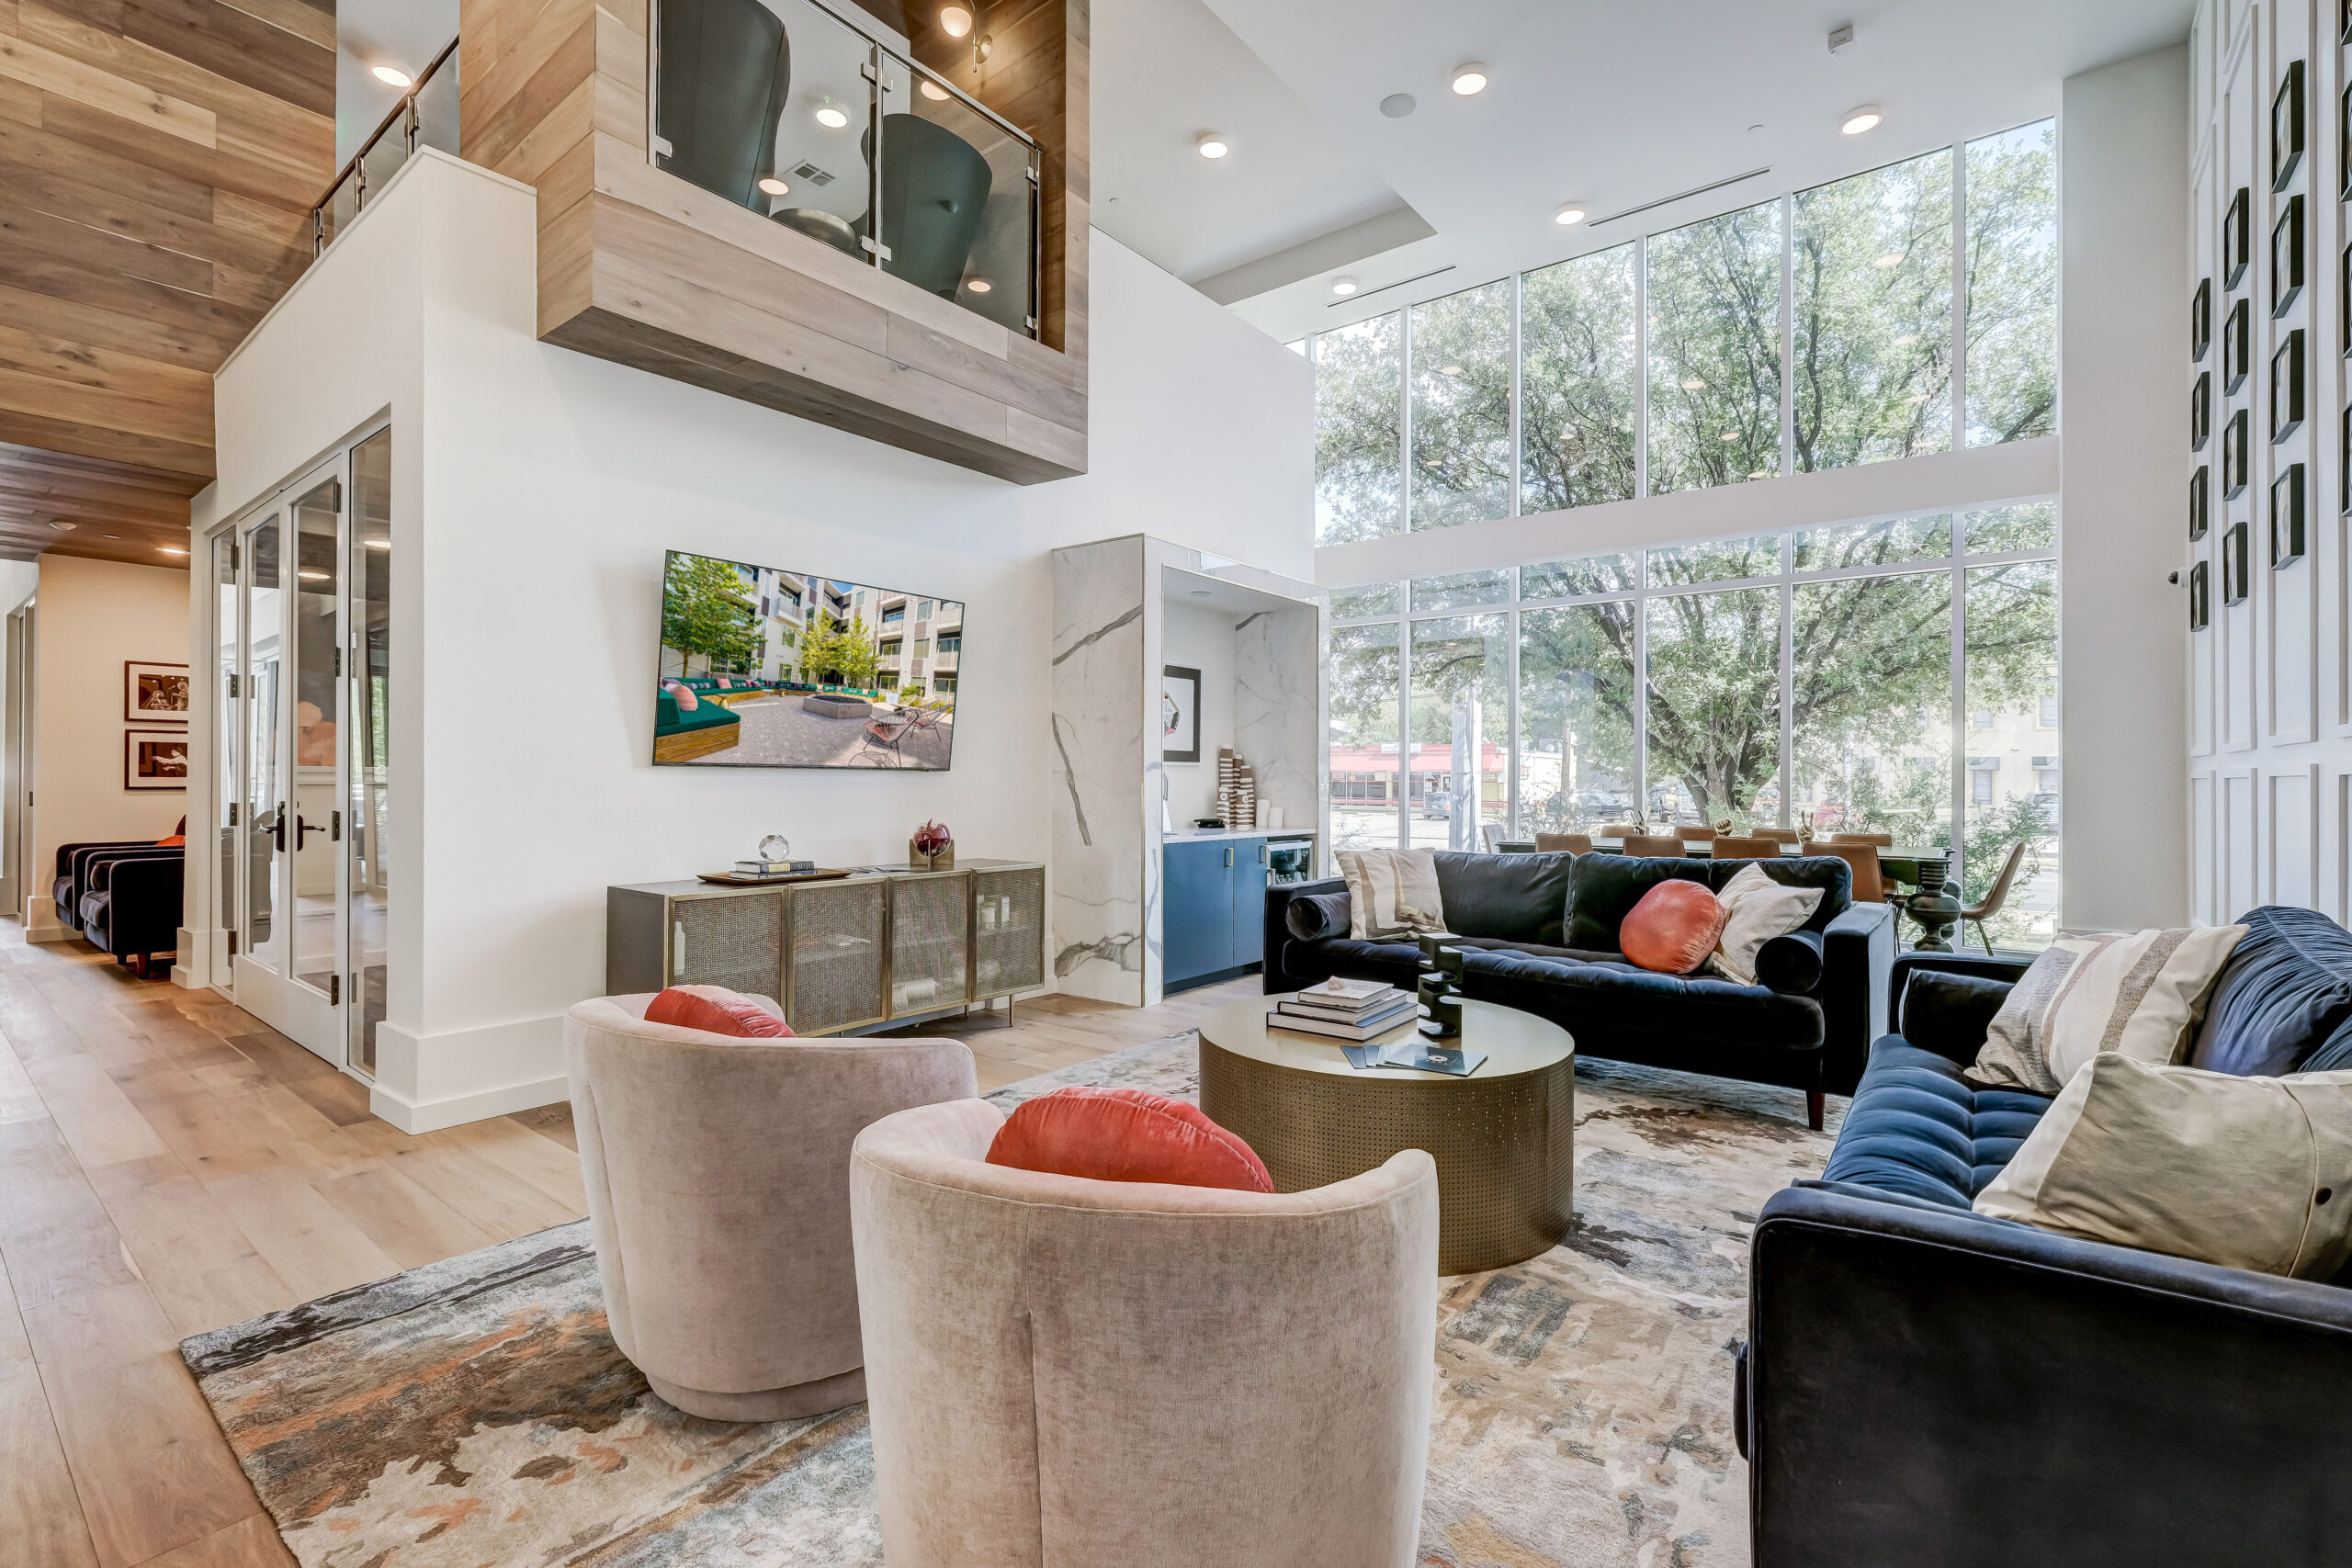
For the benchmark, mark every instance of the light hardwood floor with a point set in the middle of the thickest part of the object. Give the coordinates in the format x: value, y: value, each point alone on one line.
x: 169, y: 1163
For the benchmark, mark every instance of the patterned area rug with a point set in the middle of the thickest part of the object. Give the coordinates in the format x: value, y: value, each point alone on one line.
x: 476, y: 1411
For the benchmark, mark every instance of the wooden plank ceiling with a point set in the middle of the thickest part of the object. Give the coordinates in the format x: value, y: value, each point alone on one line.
x: 158, y: 162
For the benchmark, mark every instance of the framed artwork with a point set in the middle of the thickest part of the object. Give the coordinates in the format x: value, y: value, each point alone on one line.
x: 2233, y: 565
x: 2200, y: 601
x: 154, y: 694
x: 2200, y: 411
x: 2344, y: 300
x: 1180, y: 714
x: 2344, y: 140
x: 2344, y: 21
x: 154, y: 759
x: 2287, y: 517
x: 2237, y: 347
x: 2287, y: 127
x: 2237, y: 238
x: 2286, y: 257
x: 2200, y: 315
x: 2344, y: 452
x: 2235, y: 466
x: 2200, y: 504
x: 2286, y: 387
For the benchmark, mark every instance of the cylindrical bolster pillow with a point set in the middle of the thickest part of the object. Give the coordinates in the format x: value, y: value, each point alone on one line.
x: 1949, y: 1013
x: 1313, y: 917
x: 1789, y: 964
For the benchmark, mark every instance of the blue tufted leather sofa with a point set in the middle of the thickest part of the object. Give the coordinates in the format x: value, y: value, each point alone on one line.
x: 1928, y: 1386
x: 1541, y: 935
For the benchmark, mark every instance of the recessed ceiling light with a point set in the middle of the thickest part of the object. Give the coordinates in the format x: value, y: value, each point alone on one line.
x: 934, y: 91
x: 1856, y: 121
x: 1396, y: 106
x: 393, y: 76
x: 1569, y: 214
x: 1211, y: 145
x: 1888, y: 261
x: 1343, y: 286
x: 831, y: 116
x: 955, y: 20
x: 978, y: 285
x: 1469, y: 79
x: 774, y: 186
x: 170, y: 550
x: 109, y: 536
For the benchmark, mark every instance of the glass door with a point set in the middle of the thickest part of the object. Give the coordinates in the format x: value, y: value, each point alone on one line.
x: 228, y: 631
x: 315, y: 865
x: 369, y: 576
x: 264, y: 792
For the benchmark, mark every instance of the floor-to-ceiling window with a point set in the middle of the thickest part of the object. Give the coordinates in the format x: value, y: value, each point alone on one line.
x: 1895, y: 675
x: 1862, y: 321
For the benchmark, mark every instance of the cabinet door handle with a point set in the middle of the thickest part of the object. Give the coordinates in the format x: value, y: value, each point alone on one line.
x: 1261, y: 855
x: 1229, y: 854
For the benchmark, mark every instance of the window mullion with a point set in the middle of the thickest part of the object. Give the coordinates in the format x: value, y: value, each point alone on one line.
x: 1642, y: 368
x: 1788, y: 336
x: 1958, y: 781
x: 1959, y: 295
x: 1518, y: 379
x: 1788, y: 699
x: 1642, y: 686
x: 1405, y: 720
x: 1405, y: 421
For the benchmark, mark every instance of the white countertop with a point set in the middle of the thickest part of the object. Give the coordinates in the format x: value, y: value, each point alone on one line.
x: 1207, y: 835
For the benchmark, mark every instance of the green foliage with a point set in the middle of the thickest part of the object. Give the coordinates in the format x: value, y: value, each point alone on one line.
x: 707, y: 608
x: 2013, y: 285
x: 834, y: 654
x: 1461, y: 407
x: 1358, y: 430
x: 1578, y: 391
x: 1714, y: 304
x: 1872, y: 286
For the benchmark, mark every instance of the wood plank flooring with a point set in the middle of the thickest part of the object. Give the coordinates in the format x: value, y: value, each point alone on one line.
x: 169, y: 1163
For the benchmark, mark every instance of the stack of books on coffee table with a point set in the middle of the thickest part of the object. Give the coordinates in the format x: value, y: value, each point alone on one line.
x: 1343, y: 1010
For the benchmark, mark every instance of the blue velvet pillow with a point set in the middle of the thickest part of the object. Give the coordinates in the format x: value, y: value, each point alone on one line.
x: 2286, y: 990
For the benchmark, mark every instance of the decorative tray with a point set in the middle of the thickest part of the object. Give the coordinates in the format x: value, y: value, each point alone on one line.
x: 735, y: 879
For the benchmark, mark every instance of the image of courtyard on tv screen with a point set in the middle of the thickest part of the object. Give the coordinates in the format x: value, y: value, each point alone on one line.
x: 764, y: 668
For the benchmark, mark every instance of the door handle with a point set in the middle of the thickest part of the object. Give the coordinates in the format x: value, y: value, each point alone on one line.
x: 302, y: 831
x: 278, y: 827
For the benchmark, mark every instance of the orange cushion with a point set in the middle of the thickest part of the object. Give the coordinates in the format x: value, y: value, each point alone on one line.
x: 715, y: 1009
x: 1127, y: 1134
x: 176, y: 840
x: 1673, y: 929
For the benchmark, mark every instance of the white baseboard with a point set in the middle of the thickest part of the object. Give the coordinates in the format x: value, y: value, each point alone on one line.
x: 478, y: 1107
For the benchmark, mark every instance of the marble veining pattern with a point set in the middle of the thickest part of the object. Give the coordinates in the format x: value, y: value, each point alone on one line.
x: 1099, y: 737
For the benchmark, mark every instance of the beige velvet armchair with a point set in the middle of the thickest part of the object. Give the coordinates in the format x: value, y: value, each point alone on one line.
x: 718, y: 1176
x: 1066, y: 1372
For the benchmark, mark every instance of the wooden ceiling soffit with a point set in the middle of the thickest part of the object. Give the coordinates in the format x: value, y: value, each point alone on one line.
x: 88, y: 506
x: 641, y: 268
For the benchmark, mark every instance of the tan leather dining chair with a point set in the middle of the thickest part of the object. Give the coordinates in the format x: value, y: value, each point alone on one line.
x: 1572, y: 843
x: 1999, y: 896
x: 1884, y: 841
x: 1651, y: 845
x: 1870, y: 886
x: 1778, y: 835
x: 1694, y: 832
x: 1746, y: 848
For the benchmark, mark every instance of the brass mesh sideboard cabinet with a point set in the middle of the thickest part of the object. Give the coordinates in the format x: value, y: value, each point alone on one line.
x: 883, y: 946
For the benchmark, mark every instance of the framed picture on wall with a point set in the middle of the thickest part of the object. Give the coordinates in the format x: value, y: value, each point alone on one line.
x: 2287, y: 531
x: 2233, y: 565
x: 2201, y: 599
x: 2344, y: 140
x: 2234, y: 456
x: 2237, y: 238
x: 154, y: 759
x: 154, y: 694
x: 2201, y: 506
x: 2200, y: 316
x: 2238, y: 347
x: 2200, y: 411
x: 2286, y: 387
x: 2287, y: 127
x: 1180, y: 714
x: 2286, y: 257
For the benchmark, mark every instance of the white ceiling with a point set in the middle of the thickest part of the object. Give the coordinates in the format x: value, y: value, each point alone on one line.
x: 367, y: 33
x: 1602, y: 102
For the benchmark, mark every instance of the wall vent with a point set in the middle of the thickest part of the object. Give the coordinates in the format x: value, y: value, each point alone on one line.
x: 813, y: 174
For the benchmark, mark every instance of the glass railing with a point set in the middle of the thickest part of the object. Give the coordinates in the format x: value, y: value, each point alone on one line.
x: 774, y: 105
x: 426, y: 117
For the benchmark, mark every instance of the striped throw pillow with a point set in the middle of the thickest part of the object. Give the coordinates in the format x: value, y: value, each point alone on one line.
x: 2140, y: 993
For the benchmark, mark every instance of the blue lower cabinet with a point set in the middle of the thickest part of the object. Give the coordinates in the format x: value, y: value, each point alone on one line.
x: 1248, y: 874
x: 1196, y: 911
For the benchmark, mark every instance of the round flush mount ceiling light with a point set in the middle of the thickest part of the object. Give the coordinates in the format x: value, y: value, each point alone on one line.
x: 1343, y: 286
x: 774, y: 186
x: 955, y: 20
x: 64, y: 528
x: 170, y: 550
x: 978, y: 285
x: 1396, y: 106
x: 1211, y: 145
x: 831, y: 116
x: 1571, y: 213
x: 1469, y: 79
x: 1866, y: 118
x: 393, y: 76
x: 934, y: 91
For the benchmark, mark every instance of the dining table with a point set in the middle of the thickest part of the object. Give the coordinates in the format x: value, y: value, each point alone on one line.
x: 1923, y: 868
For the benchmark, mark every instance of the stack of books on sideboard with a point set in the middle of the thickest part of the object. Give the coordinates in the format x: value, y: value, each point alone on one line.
x: 1343, y: 1010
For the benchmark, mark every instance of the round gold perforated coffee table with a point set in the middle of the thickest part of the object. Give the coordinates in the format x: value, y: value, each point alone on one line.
x: 1502, y: 1137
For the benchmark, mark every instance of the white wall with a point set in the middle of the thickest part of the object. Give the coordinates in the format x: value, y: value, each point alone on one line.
x: 535, y: 490
x: 2122, y: 637
x: 91, y: 616
x: 1201, y: 639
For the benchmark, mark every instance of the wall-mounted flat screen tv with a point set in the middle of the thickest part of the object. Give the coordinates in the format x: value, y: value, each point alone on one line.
x: 765, y: 668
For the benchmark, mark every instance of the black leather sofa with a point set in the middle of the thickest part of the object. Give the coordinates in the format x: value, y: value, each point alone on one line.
x: 123, y: 896
x: 1541, y: 935
x: 1928, y: 1386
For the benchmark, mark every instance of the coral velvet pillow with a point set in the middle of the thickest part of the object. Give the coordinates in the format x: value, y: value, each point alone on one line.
x: 1127, y: 1134
x: 715, y: 1009
x: 1673, y: 929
